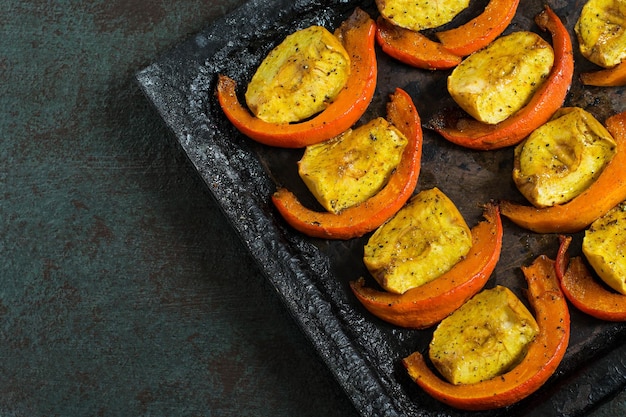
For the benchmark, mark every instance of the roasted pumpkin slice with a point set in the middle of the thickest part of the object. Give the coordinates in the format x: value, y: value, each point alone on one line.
x: 422, y: 241
x: 354, y: 166
x: 357, y: 35
x: 560, y: 159
x: 608, y: 190
x: 497, y: 81
x: 601, y: 32
x: 428, y: 304
x: 604, y: 246
x: 543, y: 356
x: 417, y: 15
x: 416, y: 49
x: 584, y: 290
x: 464, y: 130
x: 480, y: 31
x: 485, y: 337
x: 299, y: 77
x: 362, y: 218
x: 413, y: 48
x: 610, y: 77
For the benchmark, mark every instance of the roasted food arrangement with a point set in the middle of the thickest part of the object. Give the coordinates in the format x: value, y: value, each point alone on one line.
x: 427, y: 266
x: 488, y: 349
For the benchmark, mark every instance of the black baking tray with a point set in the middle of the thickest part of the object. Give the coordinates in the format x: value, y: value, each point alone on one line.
x: 310, y: 275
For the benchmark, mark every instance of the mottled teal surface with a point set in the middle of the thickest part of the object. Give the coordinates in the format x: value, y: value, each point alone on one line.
x: 123, y: 291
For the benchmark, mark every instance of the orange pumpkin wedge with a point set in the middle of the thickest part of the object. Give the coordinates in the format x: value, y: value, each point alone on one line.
x: 480, y: 31
x: 430, y: 303
x: 468, y: 132
x: 541, y: 361
x: 413, y: 48
x: 583, y: 290
x: 604, y: 193
x: 357, y: 220
x: 357, y: 34
x: 610, y: 77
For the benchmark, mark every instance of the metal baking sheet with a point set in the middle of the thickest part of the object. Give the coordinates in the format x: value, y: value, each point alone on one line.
x: 311, y: 275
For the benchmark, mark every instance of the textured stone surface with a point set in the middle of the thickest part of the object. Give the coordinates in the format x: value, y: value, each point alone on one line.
x: 123, y: 290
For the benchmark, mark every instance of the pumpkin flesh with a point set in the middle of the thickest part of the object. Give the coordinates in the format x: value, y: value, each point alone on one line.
x: 468, y: 132
x: 359, y: 219
x: 544, y: 354
x: 357, y: 35
x: 608, y: 190
x: 428, y: 304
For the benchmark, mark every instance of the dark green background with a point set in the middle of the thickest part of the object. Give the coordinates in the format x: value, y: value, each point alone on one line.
x: 123, y: 290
